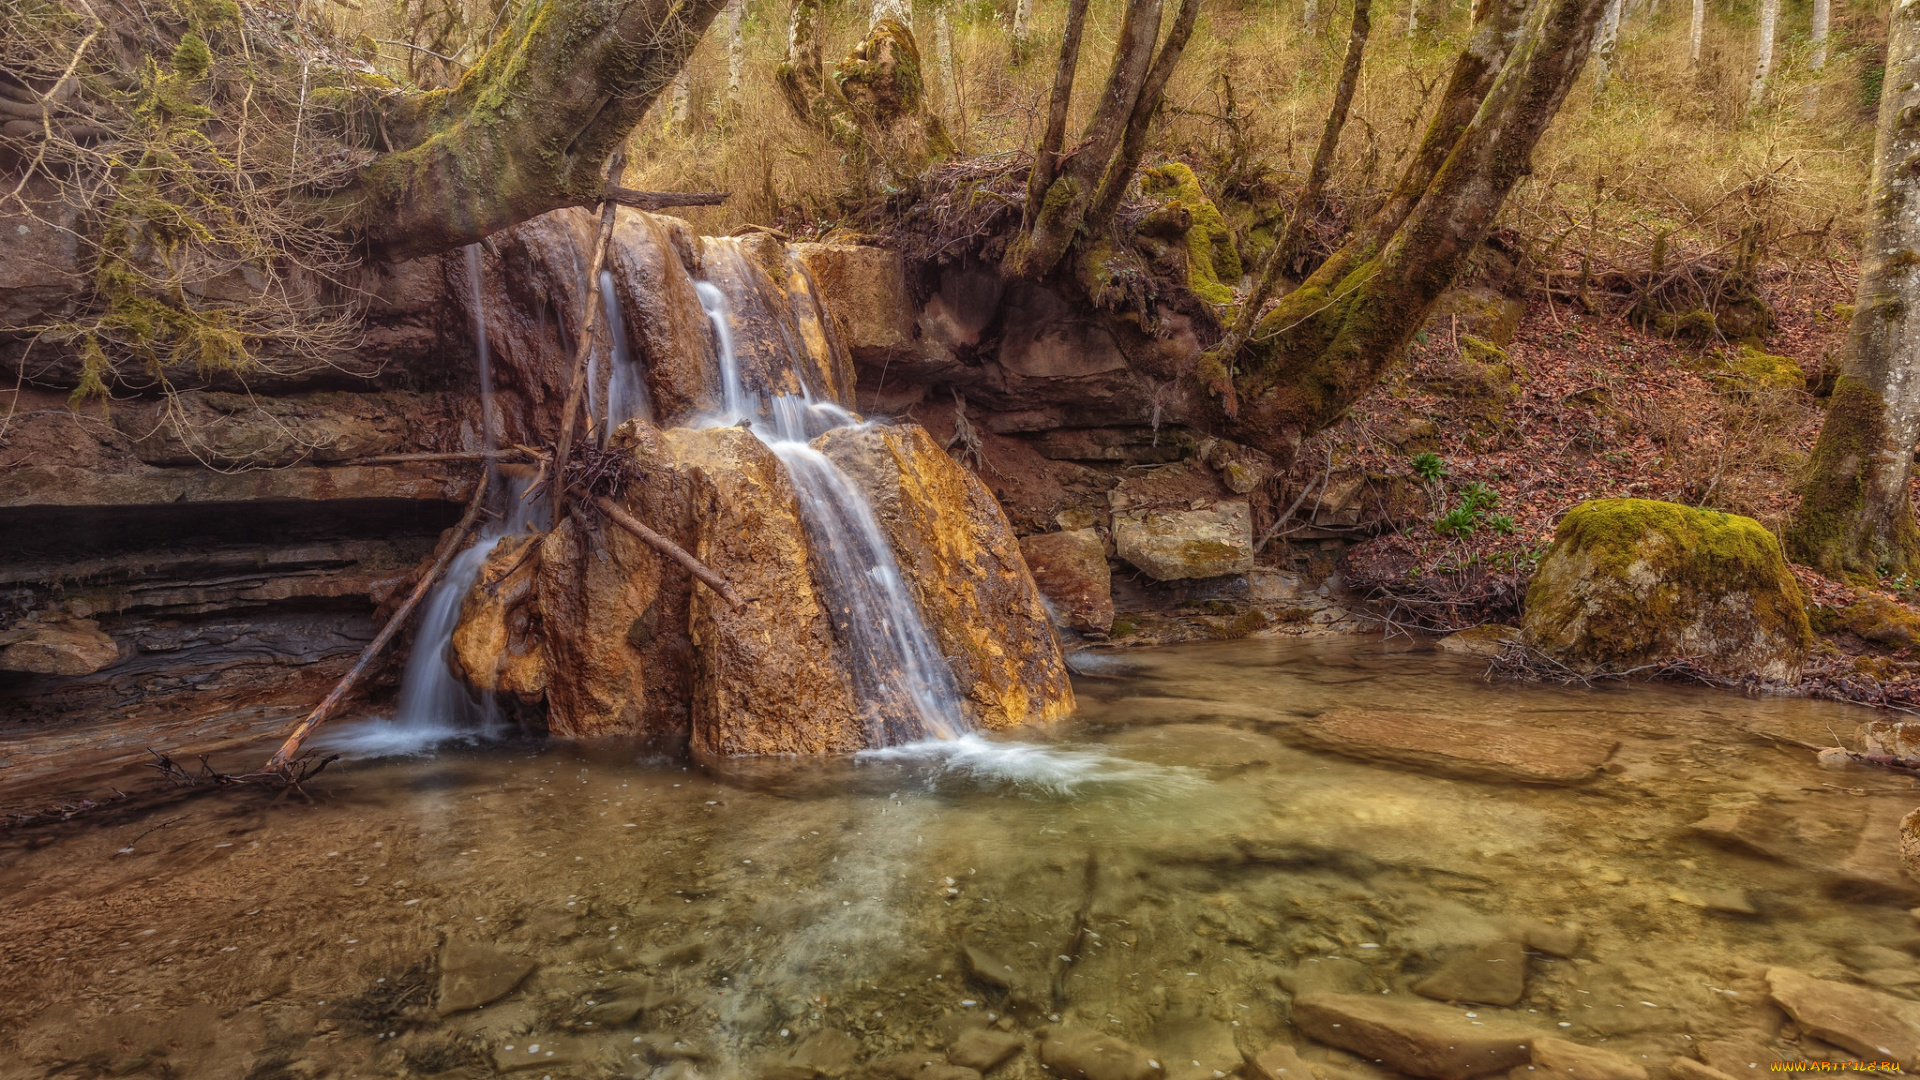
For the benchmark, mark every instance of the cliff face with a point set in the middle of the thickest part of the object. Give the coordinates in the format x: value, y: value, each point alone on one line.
x: 236, y: 541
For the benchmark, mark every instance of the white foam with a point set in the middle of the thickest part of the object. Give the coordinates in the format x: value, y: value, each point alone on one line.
x: 1035, y: 767
x: 380, y: 737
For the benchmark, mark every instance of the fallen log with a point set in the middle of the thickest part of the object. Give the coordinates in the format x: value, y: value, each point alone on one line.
x: 668, y: 548
x: 281, y: 762
x: 662, y: 200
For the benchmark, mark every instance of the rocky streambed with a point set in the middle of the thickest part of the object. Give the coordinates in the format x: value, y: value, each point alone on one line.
x: 1293, y: 859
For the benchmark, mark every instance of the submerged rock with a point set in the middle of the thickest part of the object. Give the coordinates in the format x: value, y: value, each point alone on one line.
x: 1493, y: 974
x: 1079, y: 1054
x: 473, y: 974
x: 1865, y: 1022
x: 1576, y: 1062
x: 1070, y: 569
x: 1485, y: 642
x: 984, y: 1050
x: 1416, y: 1039
x: 1633, y: 582
x: 1501, y: 752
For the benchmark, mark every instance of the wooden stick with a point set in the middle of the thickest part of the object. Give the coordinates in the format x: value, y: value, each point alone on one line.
x: 589, y: 327
x: 281, y: 762
x: 668, y: 548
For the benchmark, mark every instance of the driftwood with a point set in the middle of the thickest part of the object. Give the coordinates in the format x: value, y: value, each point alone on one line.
x: 281, y: 762
x: 668, y: 548
x: 589, y: 329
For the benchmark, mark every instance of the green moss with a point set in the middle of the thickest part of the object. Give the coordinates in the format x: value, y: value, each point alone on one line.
x: 1871, y: 617
x: 1635, y: 581
x: 1748, y: 368
x: 1122, y: 627
x: 191, y: 59
x: 1213, y: 264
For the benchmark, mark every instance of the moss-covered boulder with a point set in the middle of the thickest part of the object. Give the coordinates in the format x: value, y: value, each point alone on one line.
x: 1746, y: 368
x: 1213, y: 263
x: 1633, y: 582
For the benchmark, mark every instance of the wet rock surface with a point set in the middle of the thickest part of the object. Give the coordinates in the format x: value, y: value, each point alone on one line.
x: 1088, y: 1055
x: 1070, y: 569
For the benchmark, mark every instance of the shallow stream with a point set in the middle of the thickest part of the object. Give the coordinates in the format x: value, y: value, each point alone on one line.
x: 795, y: 918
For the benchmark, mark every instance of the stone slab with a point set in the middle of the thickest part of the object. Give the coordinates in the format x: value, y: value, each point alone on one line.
x: 1462, y: 748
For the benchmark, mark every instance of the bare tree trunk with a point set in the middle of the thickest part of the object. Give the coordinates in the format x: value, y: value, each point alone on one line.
x: 1856, y: 515
x: 1413, y: 17
x: 1022, y: 30
x: 1328, y: 342
x: 736, y: 51
x: 900, y: 11
x: 1822, y: 25
x: 1061, y: 210
x: 680, y: 102
x: 1310, y: 16
x: 1146, y: 105
x: 1046, y: 157
x: 1303, y: 207
x: 1763, y: 64
x: 943, y: 55
x: 1603, y: 46
x: 1696, y: 34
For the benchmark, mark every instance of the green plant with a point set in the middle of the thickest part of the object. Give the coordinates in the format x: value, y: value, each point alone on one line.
x: 1474, y: 509
x: 1429, y: 466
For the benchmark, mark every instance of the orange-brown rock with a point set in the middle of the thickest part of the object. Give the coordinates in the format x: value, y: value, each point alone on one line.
x: 768, y: 676
x: 959, y: 557
x: 1071, y: 570
x: 497, y: 647
x: 667, y: 329
x: 594, y: 583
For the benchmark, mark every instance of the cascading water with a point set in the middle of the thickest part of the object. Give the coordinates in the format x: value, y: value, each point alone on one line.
x: 434, y: 703
x: 487, y: 437
x: 627, y: 395
x: 897, y: 668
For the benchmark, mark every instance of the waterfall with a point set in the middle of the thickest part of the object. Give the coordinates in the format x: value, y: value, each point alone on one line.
x: 627, y: 395
x: 896, y: 667
x: 487, y: 437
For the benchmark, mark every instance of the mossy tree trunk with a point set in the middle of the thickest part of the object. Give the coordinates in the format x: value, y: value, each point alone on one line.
x: 1856, y: 517
x: 1323, y: 346
x: 529, y: 129
x: 1070, y: 195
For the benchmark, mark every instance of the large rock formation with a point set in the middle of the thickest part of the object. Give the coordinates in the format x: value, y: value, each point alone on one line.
x: 1634, y: 582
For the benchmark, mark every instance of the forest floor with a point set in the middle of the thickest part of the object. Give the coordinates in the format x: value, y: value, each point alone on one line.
x: 1599, y: 408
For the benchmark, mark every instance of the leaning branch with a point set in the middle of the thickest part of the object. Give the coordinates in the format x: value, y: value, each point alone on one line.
x: 281, y: 762
x: 668, y: 548
x: 589, y: 329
